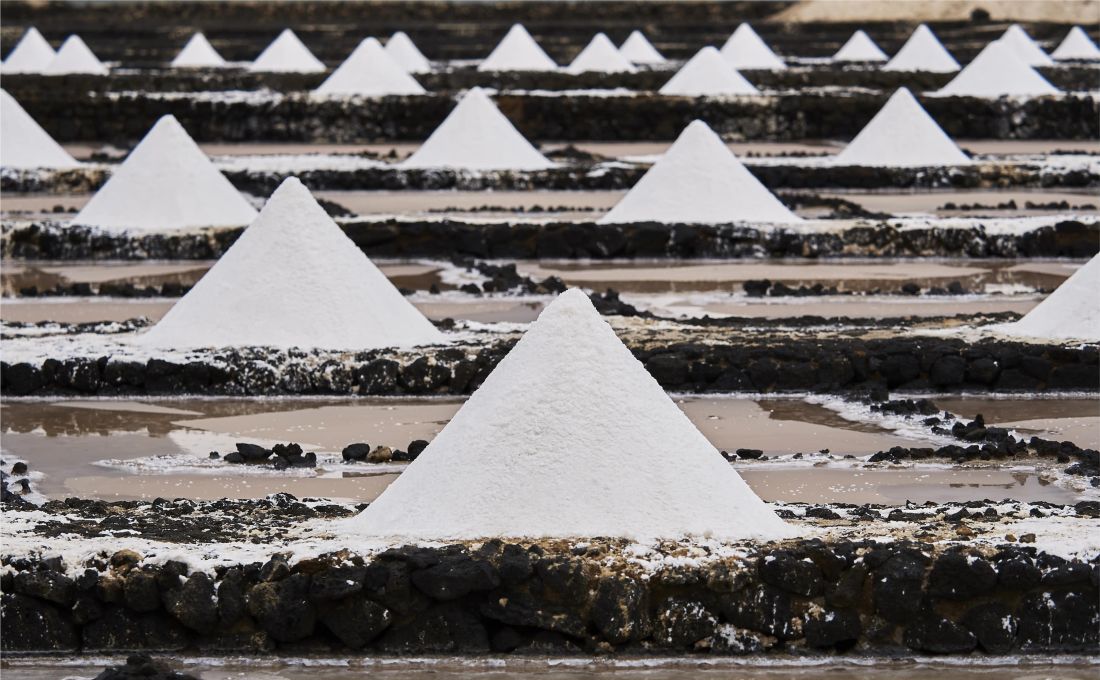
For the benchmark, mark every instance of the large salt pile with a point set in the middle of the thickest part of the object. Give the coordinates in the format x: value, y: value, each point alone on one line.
x: 74, y: 57
x: 1077, y: 46
x: 287, y: 54
x: 371, y: 72
x: 902, y: 134
x: 707, y: 74
x: 477, y: 136
x: 166, y: 183
x: 32, y: 54
x: 23, y: 142
x: 860, y: 47
x: 601, y: 56
x: 923, y: 51
x: 404, y: 51
x: 639, y: 50
x: 569, y: 437
x: 517, y: 51
x: 997, y: 71
x: 293, y: 279
x: 699, y: 180
x: 744, y: 49
x: 1071, y: 312
x: 198, y: 53
x: 1024, y: 47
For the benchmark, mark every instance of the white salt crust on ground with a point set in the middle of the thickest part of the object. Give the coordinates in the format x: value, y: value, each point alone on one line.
x: 404, y: 51
x: 32, y: 54
x: 287, y: 54
x: 1076, y: 46
x: 74, y: 57
x: 601, y: 56
x: 198, y: 53
x: 860, y: 47
x: 639, y: 50
x: 744, y: 49
x: 517, y: 51
x: 369, y: 71
x: 707, y: 74
x: 901, y: 134
x: 998, y: 71
x: 1071, y: 312
x: 23, y: 142
x: 1025, y: 48
x: 923, y: 51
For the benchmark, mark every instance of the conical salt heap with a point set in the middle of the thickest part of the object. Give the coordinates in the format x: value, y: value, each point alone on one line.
x: 74, y: 57
x: 923, y: 51
x: 517, y: 51
x: 639, y: 50
x: 744, y: 49
x: 371, y: 72
x: 32, y: 54
x: 23, y: 142
x: 860, y: 47
x: 997, y: 71
x: 404, y: 51
x: 293, y: 279
x: 569, y: 437
x: 198, y: 53
x: 1072, y: 311
x: 601, y: 56
x: 699, y: 180
x: 1077, y: 46
x: 902, y: 134
x: 166, y: 183
x: 1024, y: 47
x: 707, y: 74
x: 477, y: 136
x: 287, y: 54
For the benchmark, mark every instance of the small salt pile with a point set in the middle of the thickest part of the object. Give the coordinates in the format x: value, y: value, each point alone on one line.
x: 369, y: 71
x: 601, y: 56
x: 1077, y: 46
x: 74, y: 57
x: 293, y: 279
x: 699, y: 180
x: 1024, y: 47
x: 998, y: 71
x: 902, y: 134
x: 1071, y: 312
x: 569, y: 437
x: 24, y: 144
x: 639, y: 50
x: 166, y: 183
x: 477, y: 136
x: 923, y: 51
x: 860, y: 48
x: 707, y: 74
x: 198, y: 53
x: 32, y: 54
x: 517, y: 51
x: 744, y: 49
x: 404, y: 51
x: 287, y: 54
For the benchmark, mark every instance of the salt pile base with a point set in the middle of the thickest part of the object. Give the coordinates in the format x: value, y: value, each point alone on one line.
x: 198, y: 53
x: 166, y: 183
x: 517, y: 51
x: 601, y: 56
x: 699, y: 180
x: 287, y: 54
x: 569, y: 436
x: 74, y: 57
x: 860, y: 47
x: 902, y: 134
x: 369, y: 71
x: 404, y: 51
x: 32, y: 54
x: 477, y: 136
x: 1077, y: 46
x: 997, y: 71
x: 1025, y: 48
x: 744, y: 49
x: 23, y: 142
x: 707, y: 74
x: 923, y: 51
x: 639, y: 50
x: 1071, y: 312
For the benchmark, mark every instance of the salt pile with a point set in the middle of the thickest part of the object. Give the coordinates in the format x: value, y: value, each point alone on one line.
x: 902, y: 134
x: 707, y: 74
x: 166, y: 183
x: 287, y: 54
x: 699, y: 180
x: 639, y: 50
x: 404, y: 51
x: 1024, y: 47
x: 569, y: 436
x: 923, y: 51
x: 477, y: 136
x: 860, y: 47
x: 74, y: 57
x: 1077, y: 46
x: 746, y: 50
x: 371, y: 72
x: 198, y: 53
x: 23, y: 142
x: 518, y: 51
x: 997, y: 71
x: 32, y: 54
x: 1072, y: 311
x: 601, y: 56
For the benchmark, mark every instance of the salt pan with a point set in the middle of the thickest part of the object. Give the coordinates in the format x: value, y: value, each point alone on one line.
x: 997, y: 71
x: 1024, y: 47
x: 32, y: 54
x: 23, y: 142
x: 198, y: 53
x: 369, y: 71
x: 707, y: 74
x: 639, y: 50
x: 601, y: 56
x: 1077, y: 46
x: 860, y: 47
x: 517, y: 51
x: 902, y: 134
x: 404, y: 51
x: 1071, y: 312
x: 74, y: 57
x: 923, y: 51
x: 744, y: 49
x: 287, y: 54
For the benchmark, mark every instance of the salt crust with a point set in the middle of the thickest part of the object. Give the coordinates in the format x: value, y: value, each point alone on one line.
x: 369, y: 71
x: 287, y: 54
x: 901, y: 134
x: 198, y: 53
x: 601, y: 56
x: 32, y: 54
x: 1071, y: 312
x: 517, y: 51
x: 74, y: 57
x: 707, y: 74
x: 404, y: 51
x: 1077, y: 46
x: 860, y: 47
x: 24, y: 144
x: 923, y: 51
x: 1027, y: 49
x: 639, y: 50
x: 998, y: 71
x: 744, y: 49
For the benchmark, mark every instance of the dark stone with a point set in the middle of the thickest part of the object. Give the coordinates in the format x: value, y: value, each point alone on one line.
x: 377, y: 377
x: 992, y: 623
x: 416, y: 447
x: 336, y: 583
x: 21, y: 379
x: 356, y: 452
x: 934, y: 634
x: 1017, y: 571
x: 682, y: 623
x: 142, y: 667
x: 122, y: 630
x: 86, y: 609
x: 619, y: 610
x: 455, y: 577
x: 515, y: 564
x: 355, y: 620
x: 789, y: 573
x: 958, y: 576
x: 231, y: 597
x: 140, y: 591
x: 253, y: 453
x: 51, y: 586
x: 194, y: 604
x: 445, y: 628
x: 833, y: 628
x: 896, y: 585
x: 505, y: 640
x: 750, y: 454
x: 947, y: 371
x: 282, y: 608
x: 898, y: 369
x: 31, y: 625
x: 764, y: 609
x: 1060, y: 621
x: 520, y: 608
x: 848, y: 589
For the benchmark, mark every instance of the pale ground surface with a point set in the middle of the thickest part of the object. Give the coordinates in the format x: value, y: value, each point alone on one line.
x: 1062, y: 11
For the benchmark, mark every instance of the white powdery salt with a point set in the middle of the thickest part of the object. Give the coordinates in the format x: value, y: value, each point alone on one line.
x: 166, y: 183
x: 998, y: 71
x: 32, y: 54
x: 1025, y: 48
x: 287, y: 54
x: 24, y: 144
x: 74, y: 57
x: 371, y: 72
x: 477, y: 136
x: 639, y: 50
x: 404, y: 51
x: 601, y: 56
x: 517, y: 51
x: 860, y: 47
x: 1071, y: 312
x: 198, y: 53
x: 569, y: 437
x: 699, y: 180
x: 707, y: 74
x: 901, y: 135
x: 744, y: 49
x: 923, y: 51
x: 1077, y: 46
x: 293, y: 279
